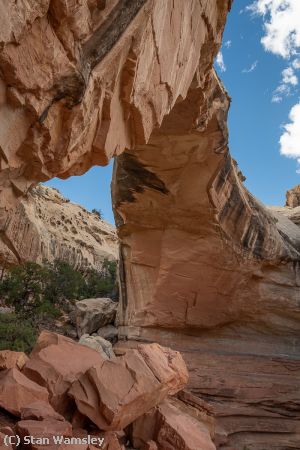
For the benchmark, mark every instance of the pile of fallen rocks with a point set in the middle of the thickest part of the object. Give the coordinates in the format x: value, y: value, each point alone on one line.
x: 94, y: 320
x: 69, y: 396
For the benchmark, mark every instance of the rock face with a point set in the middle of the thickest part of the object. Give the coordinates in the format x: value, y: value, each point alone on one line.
x: 99, y: 344
x: 56, y: 362
x: 94, y: 313
x: 114, y: 393
x: 110, y: 393
x: 172, y: 426
x: 205, y: 268
x: 46, y: 226
x: 293, y: 197
x: 17, y: 391
x: 9, y: 360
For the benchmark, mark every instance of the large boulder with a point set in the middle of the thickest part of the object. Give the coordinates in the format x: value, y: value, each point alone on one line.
x: 172, y: 425
x: 56, y: 362
x: 116, y: 392
x: 94, y: 313
x: 99, y: 344
x: 17, y: 391
x: 10, y: 359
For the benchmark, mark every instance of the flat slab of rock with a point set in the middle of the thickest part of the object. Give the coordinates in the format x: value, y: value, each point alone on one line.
x: 56, y: 362
x: 94, y: 313
x: 99, y: 344
x: 40, y: 410
x: 17, y: 391
x: 171, y: 426
x: 10, y: 359
x: 116, y: 392
x: 40, y: 431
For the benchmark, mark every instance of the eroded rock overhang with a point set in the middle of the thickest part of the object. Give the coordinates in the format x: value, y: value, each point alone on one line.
x: 205, y: 268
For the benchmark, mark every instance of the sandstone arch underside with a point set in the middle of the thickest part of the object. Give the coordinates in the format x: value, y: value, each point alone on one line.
x: 205, y: 268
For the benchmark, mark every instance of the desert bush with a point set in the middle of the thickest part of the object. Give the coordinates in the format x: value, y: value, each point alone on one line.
x: 64, y: 283
x: 98, y: 213
x: 16, y: 333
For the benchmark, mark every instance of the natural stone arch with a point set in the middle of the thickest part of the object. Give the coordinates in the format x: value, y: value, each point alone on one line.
x: 137, y: 76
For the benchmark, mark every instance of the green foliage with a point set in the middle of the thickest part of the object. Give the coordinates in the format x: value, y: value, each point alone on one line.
x: 24, y: 286
x: 98, y: 213
x: 16, y: 333
x: 40, y: 293
x: 102, y: 284
x: 35, y: 289
x: 64, y: 283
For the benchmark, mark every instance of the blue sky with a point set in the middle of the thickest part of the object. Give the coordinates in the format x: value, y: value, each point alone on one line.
x: 259, y: 64
x: 252, y: 76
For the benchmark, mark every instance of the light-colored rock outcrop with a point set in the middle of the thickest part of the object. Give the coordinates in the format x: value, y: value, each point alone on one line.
x: 99, y: 344
x: 46, y: 226
x: 10, y: 359
x: 94, y: 313
x: 293, y: 197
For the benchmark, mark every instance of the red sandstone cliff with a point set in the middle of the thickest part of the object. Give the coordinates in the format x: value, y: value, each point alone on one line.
x: 205, y: 267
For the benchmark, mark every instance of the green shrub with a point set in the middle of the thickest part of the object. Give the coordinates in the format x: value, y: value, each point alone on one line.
x: 24, y: 286
x: 16, y: 333
x: 102, y: 284
x: 64, y: 283
x: 98, y: 213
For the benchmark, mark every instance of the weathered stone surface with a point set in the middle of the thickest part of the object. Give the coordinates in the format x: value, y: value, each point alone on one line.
x: 293, y: 197
x: 3, y: 445
x: 108, y: 332
x: 45, y: 226
x: 150, y: 445
x: 39, y: 410
x: 205, y: 267
x: 99, y: 344
x: 116, y: 392
x: 172, y: 425
x: 17, y: 391
x: 93, y: 313
x: 56, y: 362
x: 46, y: 429
x: 9, y: 359
x: 111, y: 442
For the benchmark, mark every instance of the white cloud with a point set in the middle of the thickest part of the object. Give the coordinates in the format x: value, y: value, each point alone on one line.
x: 251, y: 68
x: 290, y: 139
x: 281, y: 24
x: 289, y: 77
x: 228, y: 44
x: 296, y: 64
x: 220, y: 62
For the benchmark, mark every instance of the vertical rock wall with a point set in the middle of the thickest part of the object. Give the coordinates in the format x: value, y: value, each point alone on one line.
x: 205, y: 268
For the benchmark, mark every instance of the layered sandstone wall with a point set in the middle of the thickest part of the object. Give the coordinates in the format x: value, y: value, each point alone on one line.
x: 45, y: 226
x: 205, y: 268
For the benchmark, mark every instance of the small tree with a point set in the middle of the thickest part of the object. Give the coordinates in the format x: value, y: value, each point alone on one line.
x: 24, y: 286
x: 98, y: 213
x: 65, y: 283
